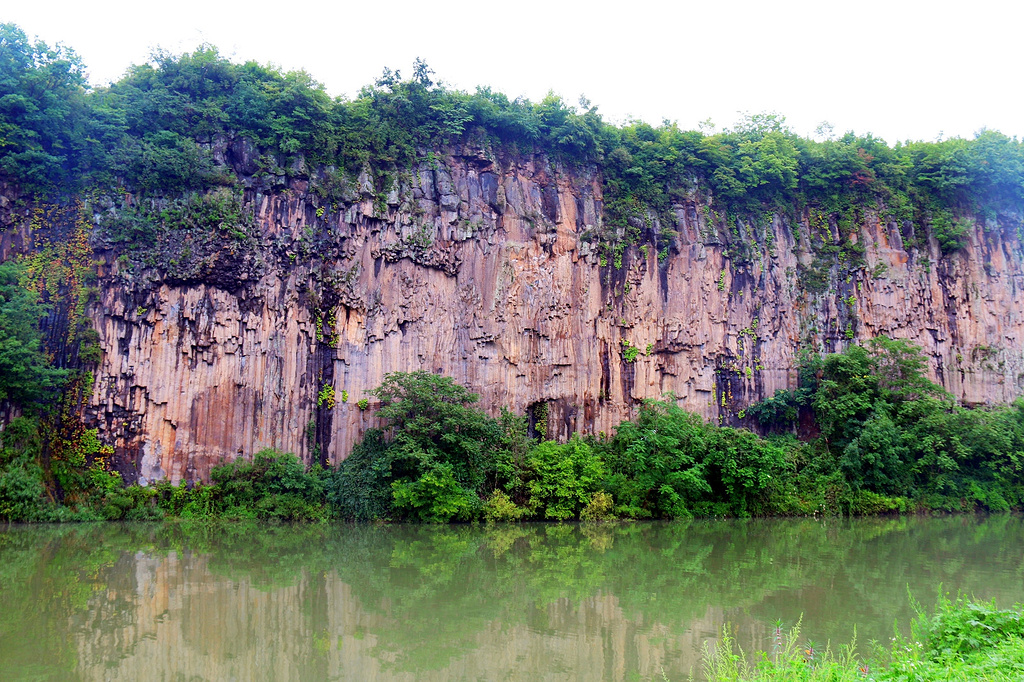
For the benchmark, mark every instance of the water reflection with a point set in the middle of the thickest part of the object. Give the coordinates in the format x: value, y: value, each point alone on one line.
x: 553, y: 602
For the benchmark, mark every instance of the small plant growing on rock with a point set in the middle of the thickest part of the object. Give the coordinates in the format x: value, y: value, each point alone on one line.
x: 362, y: 403
x: 326, y: 397
x: 629, y: 351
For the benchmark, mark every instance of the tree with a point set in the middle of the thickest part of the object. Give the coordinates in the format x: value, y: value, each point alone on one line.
x: 26, y: 375
x: 657, y: 463
x: 867, y: 403
x: 433, y: 419
x: 41, y: 110
x: 436, y: 457
x: 565, y: 476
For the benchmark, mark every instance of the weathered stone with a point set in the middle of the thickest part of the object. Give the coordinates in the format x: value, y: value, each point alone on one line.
x: 512, y: 304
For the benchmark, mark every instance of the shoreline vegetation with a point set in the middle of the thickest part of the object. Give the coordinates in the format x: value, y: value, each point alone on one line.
x: 877, y: 436
x: 959, y: 640
x: 889, y: 441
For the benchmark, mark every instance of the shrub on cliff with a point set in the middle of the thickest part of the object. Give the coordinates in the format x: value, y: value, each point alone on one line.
x: 26, y: 376
x: 153, y: 130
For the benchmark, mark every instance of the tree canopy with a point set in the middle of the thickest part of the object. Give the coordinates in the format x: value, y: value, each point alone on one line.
x: 151, y: 131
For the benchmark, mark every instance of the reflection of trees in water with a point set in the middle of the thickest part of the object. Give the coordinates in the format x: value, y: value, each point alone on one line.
x: 868, y: 587
x: 396, y: 602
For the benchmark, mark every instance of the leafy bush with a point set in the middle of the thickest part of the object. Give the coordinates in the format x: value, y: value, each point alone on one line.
x: 600, y: 508
x: 360, y: 487
x: 671, y: 464
x: 563, y: 477
x: 133, y: 503
x: 741, y: 471
x: 780, y: 411
x: 656, y: 464
x: 275, y: 485
x: 435, y: 497
x: 432, y: 420
x: 21, y: 492
x: 499, y: 507
x: 960, y: 628
x: 950, y: 234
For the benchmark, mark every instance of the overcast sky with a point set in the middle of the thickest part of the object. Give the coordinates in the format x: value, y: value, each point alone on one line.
x: 900, y: 70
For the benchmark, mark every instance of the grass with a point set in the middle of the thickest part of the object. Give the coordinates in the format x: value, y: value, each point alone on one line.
x: 960, y: 640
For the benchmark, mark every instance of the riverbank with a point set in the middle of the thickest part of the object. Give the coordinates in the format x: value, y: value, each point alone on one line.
x: 958, y: 640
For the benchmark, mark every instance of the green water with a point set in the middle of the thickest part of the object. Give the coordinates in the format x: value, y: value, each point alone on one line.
x: 535, y: 602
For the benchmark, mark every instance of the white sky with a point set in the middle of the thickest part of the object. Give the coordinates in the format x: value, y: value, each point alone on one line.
x: 900, y: 70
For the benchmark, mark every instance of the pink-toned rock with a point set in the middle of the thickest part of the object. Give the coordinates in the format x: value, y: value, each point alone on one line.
x: 482, y: 270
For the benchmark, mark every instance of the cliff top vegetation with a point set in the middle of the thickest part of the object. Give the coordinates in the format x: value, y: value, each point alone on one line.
x: 152, y: 132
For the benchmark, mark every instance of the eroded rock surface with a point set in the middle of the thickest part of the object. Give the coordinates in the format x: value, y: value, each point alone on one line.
x: 486, y: 270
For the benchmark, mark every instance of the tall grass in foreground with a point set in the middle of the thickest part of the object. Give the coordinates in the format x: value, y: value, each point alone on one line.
x: 961, y: 640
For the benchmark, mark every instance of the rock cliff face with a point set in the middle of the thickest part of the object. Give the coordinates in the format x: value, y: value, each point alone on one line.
x: 484, y: 268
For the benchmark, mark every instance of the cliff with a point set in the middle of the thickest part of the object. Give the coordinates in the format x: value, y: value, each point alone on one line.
x: 486, y: 267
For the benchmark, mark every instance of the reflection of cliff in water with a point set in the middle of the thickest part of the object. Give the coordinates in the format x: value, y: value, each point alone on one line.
x: 612, y: 602
x: 181, y: 617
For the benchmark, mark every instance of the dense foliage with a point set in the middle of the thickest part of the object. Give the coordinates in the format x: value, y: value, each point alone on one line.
x: 152, y: 132
x: 26, y: 375
x: 890, y: 441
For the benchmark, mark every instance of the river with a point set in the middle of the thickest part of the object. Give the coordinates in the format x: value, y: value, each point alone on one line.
x: 196, y: 601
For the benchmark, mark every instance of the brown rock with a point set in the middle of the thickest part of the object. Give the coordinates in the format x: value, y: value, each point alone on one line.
x: 479, y: 272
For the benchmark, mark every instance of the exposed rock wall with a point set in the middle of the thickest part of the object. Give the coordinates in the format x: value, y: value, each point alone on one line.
x: 483, y: 268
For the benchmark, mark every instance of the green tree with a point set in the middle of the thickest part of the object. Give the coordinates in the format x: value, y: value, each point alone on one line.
x: 435, y: 497
x: 360, y: 488
x: 656, y: 464
x: 564, y: 477
x: 21, y: 478
x: 437, y: 456
x: 43, y: 117
x: 432, y: 420
x: 26, y: 376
